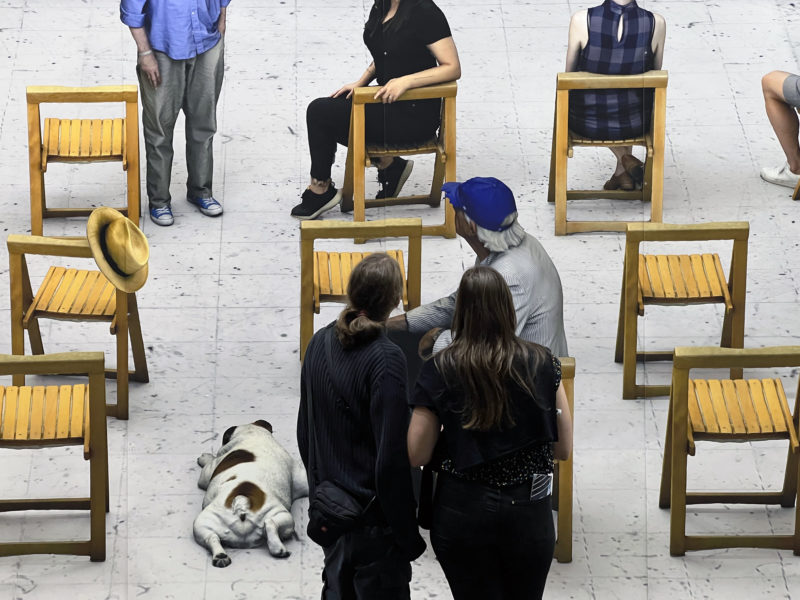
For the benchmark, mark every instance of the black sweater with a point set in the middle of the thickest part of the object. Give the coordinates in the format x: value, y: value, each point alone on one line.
x: 361, y: 431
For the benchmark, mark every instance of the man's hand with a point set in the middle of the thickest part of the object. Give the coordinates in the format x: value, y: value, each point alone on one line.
x: 426, y: 343
x: 149, y: 66
x: 221, y: 24
x: 397, y: 323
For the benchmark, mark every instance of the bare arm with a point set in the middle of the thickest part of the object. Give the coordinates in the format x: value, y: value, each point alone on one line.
x: 578, y: 37
x: 563, y: 447
x: 448, y: 68
x: 659, y: 36
x: 223, y: 11
x: 423, y: 432
x: 145, y: 58
x: 365, y: 79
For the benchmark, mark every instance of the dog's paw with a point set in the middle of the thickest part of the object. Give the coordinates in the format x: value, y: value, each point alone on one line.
x: 221, y: 560
x: 204, y: 459
x: 282, y: 553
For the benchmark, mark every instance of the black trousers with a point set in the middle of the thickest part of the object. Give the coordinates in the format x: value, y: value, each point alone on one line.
x: 366, y: 564
x: 328, y: 122
x: 492, y: 544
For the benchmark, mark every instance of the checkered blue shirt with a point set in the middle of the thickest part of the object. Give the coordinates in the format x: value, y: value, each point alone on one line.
x: 614, y: 114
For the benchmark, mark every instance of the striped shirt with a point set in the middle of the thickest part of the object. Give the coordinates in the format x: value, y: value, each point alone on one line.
x: 535, y: 289
x: 614, y: 114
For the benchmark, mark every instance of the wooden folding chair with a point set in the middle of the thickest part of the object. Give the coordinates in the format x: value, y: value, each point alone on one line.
x: 73, y: 295
x: 359, y: 156
x: 565, y: 140
x: 324, y: 275
x: 67, y: 415
x: 728, y: 411
x: 562, y: 474
x: 678, y: 280
x: 82, y: 141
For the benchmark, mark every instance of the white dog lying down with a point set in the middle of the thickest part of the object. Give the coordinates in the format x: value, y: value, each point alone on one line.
x: 250, y: 486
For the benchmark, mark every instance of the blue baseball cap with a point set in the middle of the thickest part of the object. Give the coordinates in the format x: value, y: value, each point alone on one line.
x: 486, y: 200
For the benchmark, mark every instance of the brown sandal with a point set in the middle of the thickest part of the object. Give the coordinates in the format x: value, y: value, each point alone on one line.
x: 634, y: 167
x: 622, y: 182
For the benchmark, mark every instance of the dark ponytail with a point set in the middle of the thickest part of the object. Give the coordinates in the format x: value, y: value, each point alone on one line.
x: 375, y: 25
x: 373, y: 291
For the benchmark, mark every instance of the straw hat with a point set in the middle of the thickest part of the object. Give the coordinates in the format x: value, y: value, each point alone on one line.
x: 119, y: 247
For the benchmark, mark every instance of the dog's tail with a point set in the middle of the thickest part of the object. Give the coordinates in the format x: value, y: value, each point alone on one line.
x: 245, y: 497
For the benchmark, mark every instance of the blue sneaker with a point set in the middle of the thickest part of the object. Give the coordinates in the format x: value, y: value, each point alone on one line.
x: 208, y: 206
x: 161, y: 215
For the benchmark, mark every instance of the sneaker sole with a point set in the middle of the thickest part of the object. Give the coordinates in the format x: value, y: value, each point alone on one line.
x: 162, y: 222
x: 783, y: 182
x: 324, y: 208
x: 404, y: 177
x: 205, y: 211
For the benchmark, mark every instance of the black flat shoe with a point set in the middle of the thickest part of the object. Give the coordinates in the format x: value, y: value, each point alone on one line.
x: 394, y: 177
x: 313, y: 205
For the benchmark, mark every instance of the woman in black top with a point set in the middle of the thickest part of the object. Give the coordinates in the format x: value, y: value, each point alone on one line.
x: 411, y: 47
x: 355, y: 379
x: 496, y: 407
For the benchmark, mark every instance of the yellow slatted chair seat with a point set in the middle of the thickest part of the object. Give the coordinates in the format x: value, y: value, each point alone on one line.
x: 754, y: 409
x: 74, y: 293
x: 682, y: 279
x: 332, y: 272
x: 38, y: 416
x: 430, y: 146
x: 84, y: 140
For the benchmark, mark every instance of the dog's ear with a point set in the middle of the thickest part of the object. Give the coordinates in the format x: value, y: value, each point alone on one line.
x: 226, y: 437
x: 265, y: 424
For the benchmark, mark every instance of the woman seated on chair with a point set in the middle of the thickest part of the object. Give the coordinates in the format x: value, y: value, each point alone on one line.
x: 616, y: 38
x: 498, y: 410
x: 411, y: 47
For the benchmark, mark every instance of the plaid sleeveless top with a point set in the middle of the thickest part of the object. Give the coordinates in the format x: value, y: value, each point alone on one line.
x: 614, y: 114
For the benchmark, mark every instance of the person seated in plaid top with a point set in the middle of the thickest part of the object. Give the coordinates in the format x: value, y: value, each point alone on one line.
x: 616, y: 38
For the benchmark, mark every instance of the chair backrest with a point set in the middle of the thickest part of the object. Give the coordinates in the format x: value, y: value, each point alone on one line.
x: 314, y: 230
x: 445, y: 91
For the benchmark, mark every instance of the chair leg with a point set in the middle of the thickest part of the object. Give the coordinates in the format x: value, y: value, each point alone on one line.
x: 796, y: 548
x: 733, y: 334
x: 666, y: 468
x: 618, y: 349
x: 796, y: 192
x: 647, y: 186
x: 629, y: 341
x: 35, y: 336
x: 677, y: 521
x: 563, y: 552
x: 790, y: 480
x: 347, y: 186
x: 437, y: 181
x: 122, y: 356
x: 137, y: 343
x: 98, y: 469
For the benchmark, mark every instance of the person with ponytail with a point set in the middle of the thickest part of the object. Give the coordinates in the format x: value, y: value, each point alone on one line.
x: 354, y: 382
x: 411, y: 46
x: 490, y: 414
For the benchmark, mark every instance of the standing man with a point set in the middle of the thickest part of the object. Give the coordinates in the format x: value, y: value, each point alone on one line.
x: 180, y: 64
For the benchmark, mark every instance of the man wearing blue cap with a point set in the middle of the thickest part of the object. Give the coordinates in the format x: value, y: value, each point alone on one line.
x: 486, y: 217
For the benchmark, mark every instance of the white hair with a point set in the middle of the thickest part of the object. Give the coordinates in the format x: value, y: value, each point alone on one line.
x: 500, y: 241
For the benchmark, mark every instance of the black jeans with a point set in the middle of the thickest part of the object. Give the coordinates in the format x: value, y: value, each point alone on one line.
x: 366, y: 564
x: 328, y: 122
x: 493, y: 544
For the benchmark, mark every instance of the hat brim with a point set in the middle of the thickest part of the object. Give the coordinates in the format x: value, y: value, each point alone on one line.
x: 98, y: 220
x: 450, y: 190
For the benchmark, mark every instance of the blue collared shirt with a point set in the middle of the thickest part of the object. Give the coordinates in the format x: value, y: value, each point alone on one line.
x: 180, y: 28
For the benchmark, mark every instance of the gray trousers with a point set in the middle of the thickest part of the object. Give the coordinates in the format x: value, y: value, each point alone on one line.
x: 192, y: 85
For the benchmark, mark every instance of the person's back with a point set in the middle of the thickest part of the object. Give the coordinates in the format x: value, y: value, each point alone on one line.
x: 530, y: 274
x: 614, y: 114
x: 351, y: 436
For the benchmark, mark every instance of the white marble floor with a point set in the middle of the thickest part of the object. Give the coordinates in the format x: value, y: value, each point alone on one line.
x: 220, y: 311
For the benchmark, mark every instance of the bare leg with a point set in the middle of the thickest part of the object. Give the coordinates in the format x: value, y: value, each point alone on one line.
x: 620, y: 152
x: 782, y: 117
x: 318, y: 186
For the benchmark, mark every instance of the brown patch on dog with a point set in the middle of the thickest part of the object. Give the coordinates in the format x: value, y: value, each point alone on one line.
x: 265, y: 424
x: 253, y: 493
x: 232, y: 459
x: 231, y: 478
